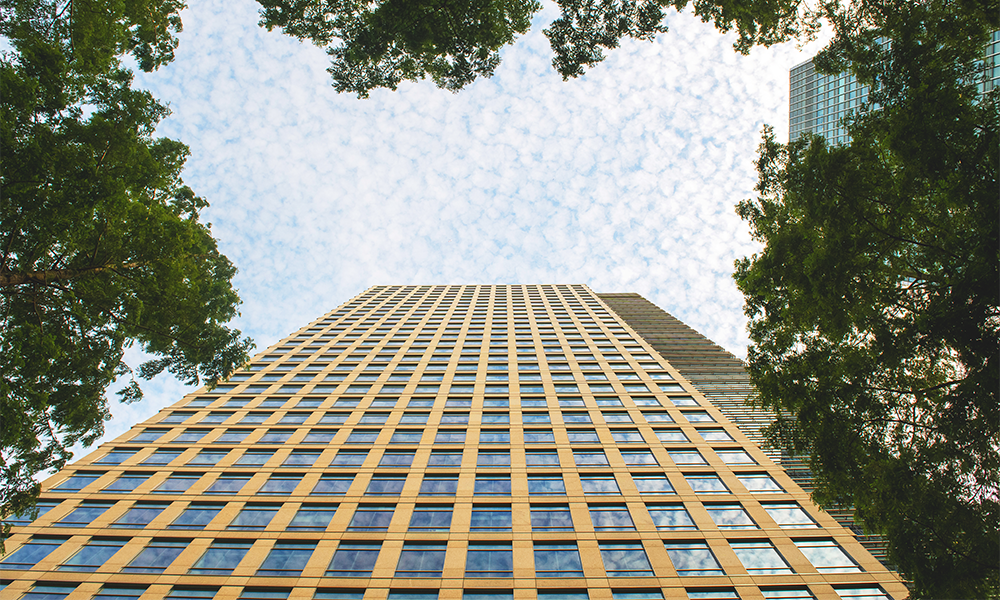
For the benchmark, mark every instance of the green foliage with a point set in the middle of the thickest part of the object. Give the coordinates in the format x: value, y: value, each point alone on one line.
x: 385, y: 43
x: 873, y: 307
x: 101, y: 245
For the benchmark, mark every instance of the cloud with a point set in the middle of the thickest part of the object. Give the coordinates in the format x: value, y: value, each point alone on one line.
x: 625, y: 179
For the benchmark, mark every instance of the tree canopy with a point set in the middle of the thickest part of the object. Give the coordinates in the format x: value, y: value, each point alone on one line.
x: 874, y: 315
x: 101, y: 245
x: 382, y: 43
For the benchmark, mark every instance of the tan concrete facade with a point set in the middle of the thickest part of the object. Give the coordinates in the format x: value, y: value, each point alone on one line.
x: 419, y: 442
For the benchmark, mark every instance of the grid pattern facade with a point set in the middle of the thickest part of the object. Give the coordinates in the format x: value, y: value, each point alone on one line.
x: 819, y: 103
x: 439, y: 442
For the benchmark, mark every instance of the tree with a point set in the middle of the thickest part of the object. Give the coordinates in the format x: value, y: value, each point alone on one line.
x: 382, y: 43
x: 874, y: 316
x: 101, y: 246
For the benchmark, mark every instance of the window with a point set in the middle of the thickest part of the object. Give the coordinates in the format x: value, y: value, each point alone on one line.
x: 542, y: 485
x: 489, y: 560
x: 396, y: 459
x: 140, y: 515
x: 542, y: 459
x: 334, y: 418
x: 76, y: 482
x: 196, y: 516
x: 294, y: 418
x: 658, y: 417
x: 725, y: 594
x: 184, y: 592
x: 221, y: 558
x: 286, y: 559
x: 346, y: 458
x: 28, y: 515
x: 735, y: 457
x: 671, y: 436
x: 611, y: 517
x: 617, y: 417
x: 450, y: 436
x: 693, y: 558
x: 590, y: 458
x: 280, y: 484
x: 276, y: 436
x: 156, y: 557
x: 633, y: 594
x: 431, y: 517
x: 421, y: 560
x: 557, y: 560
x: 413, y: 595
x: 627, y: 436
x: 228, y: 484
x: 339, y: 594
x: 208, y: 457
x: 254, y: 418
x: 177, y: 483
x: 492, y: 485
x: 162, y: 457
x: 354, y: 559
x: 791, y: 594
x: 445, y: 458
x: 706, y: 484
x: 491, y: 518
x: 312, y: 517
x: 385, y: 485
x: 759, y: 483
x: 789, y: 515
x: 84, y: 514
x: 254, y: 517
x: 599, y: 484
x: 232, y: 436
x: 177, y: 417
x: 406, y: 436
x: 625, y: 560
x: 254, y: 458
x: 362, y: 436
x: 639, y: 458
x: 49, y: 591
x: 686, y: 457
x: 496, y: 418
x: 493, y: 459
x: 320, y: 436
x: 30, y: 553
x: 582, y: 436
x: 90, y: 558
x: 439, y: 485
x: 455, y: 418
x: 715, y: 435
x: 148, y: 435
x: 535, y: 417
x: 671, y: 517
x: 730, y: 516
x: 760, y: 558
x: 115, y: 457
x: 487, y: 595
x: 332, y: 485
x: 371, y: 517
x: 115, y: 592
x: 551, y: 517
x: 539, y: 436
x: 378, y: 418
x: 494, y: 436
x: 872, y: 592
x: 698, y: 416
x: 827, y: 556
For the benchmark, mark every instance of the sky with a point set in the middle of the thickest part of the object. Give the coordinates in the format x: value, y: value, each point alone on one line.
x: 625, y: 179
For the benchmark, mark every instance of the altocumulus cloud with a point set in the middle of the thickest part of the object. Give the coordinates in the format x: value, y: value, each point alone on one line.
x: 625, y: 179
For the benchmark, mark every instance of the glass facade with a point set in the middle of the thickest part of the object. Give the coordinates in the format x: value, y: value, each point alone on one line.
x: 446, y: 442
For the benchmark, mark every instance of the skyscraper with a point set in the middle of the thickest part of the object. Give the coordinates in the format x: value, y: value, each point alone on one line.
x: 818, y: 103
x: 451, y: 443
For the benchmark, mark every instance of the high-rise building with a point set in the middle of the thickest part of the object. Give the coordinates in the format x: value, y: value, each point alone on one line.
x: 447, y: 443
x: 819, y: 103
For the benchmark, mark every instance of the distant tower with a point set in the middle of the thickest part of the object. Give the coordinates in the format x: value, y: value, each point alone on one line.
x: 447, y: 442
x: 818, y: 103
